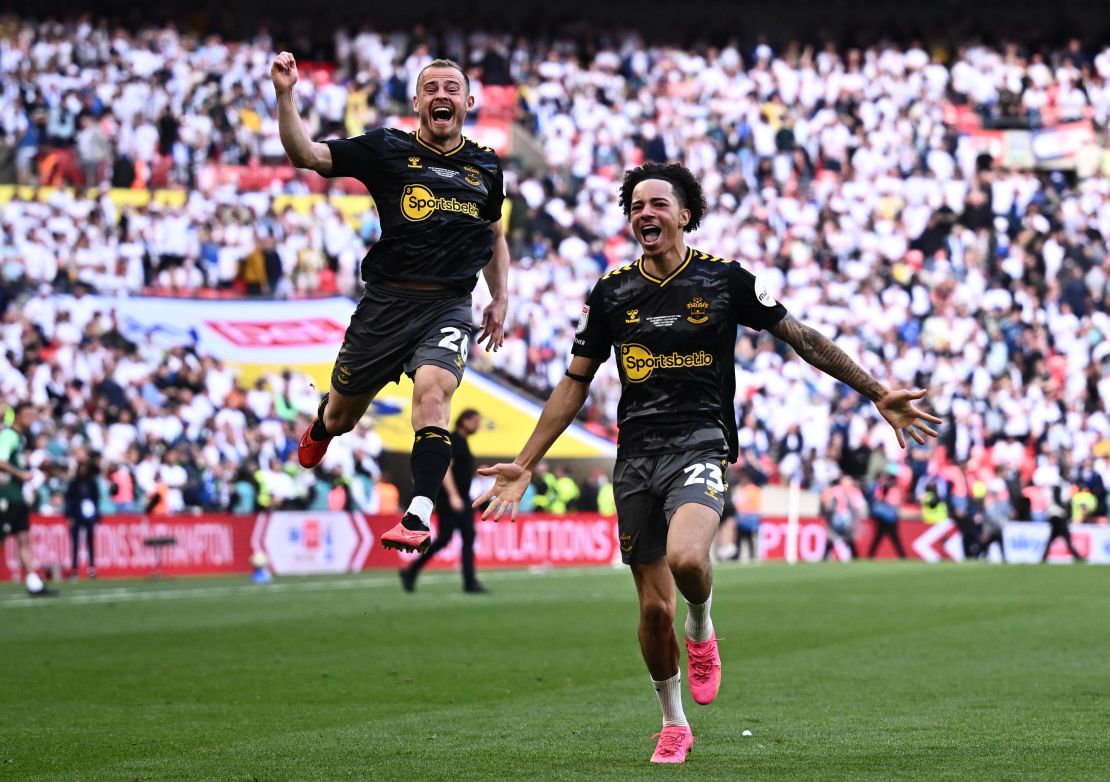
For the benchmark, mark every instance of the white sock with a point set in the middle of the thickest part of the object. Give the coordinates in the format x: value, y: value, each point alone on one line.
x: 699, y: 625
x: 670, y: 698
x: 422, y: 508
x: 34, y: 583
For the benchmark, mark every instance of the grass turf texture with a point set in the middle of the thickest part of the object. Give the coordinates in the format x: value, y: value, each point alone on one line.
x: 858, y: 671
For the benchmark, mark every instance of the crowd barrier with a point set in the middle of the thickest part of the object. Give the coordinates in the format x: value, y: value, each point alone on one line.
x: 130, y: 546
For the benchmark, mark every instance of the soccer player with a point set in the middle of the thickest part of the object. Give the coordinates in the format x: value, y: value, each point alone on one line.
x: 15, y: 513
x: 439, y: 196
x: 671, y: 317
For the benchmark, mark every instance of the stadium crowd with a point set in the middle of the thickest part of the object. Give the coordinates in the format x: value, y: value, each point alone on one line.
x: 838, y: 175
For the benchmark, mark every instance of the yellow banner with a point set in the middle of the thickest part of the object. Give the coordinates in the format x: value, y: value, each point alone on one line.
x: 350, y: 206
x: 507, y: 417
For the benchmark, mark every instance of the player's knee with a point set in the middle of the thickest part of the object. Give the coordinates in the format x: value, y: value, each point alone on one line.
x: 687, y: 562
x: 657, y: 614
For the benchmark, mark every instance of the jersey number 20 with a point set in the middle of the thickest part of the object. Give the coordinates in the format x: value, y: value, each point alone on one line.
x: 456, y: 340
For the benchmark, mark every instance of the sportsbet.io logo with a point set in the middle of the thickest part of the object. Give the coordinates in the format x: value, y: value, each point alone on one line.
x: 418, y: 203
x: 639, y: 362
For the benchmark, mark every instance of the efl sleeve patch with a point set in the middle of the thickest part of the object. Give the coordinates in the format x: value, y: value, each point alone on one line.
x: 763, y: 294
x: 584, y: 320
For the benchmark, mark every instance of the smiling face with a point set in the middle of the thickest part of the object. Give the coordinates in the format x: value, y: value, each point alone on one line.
x: 657, y: 217
x: 441, y: 101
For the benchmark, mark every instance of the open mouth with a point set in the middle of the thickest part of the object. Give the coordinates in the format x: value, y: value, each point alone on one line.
x: 650, y: 232
x: 442, y: 114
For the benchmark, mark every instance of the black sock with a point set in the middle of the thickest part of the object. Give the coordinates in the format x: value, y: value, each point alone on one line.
x: 431, y: 456
x: 318, y: 432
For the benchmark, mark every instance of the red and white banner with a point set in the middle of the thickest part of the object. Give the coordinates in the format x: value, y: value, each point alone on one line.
x: 304, y: 542
x: 280, y: 333
x: 1024, y: 541
x: 207, y: 544
x: 1056, y: 146
x: 331, y: 542
x: 534, y: 540
x: 928, y: 542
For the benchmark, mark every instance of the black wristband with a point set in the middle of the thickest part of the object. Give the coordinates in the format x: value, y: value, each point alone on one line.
x: 579, y: 378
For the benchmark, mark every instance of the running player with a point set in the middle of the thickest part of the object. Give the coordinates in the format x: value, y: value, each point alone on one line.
x: 671, y: 317
x: 439, y: 196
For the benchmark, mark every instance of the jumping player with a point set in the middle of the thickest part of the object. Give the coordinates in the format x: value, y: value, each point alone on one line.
x: 439, y: 196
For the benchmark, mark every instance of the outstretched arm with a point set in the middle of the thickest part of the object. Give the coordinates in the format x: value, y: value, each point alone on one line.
x: 895, y: 406
x: 513, y: 479
x: 302, y: 150
x: 496, y: 273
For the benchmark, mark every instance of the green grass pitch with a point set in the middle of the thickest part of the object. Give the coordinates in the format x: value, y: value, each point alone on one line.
x: 864, y: 671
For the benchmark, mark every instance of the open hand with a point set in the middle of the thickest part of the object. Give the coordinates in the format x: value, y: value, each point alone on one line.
x: 511, y: 482
x: 898, y: 408
x: 493, y: 324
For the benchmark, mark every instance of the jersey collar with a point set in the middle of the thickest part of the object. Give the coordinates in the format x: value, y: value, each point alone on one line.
x: 421, y: 142
x: 672, y: 275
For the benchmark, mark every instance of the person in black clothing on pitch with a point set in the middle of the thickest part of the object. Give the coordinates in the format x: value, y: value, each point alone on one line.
x: 453, y: 507
x: 439, y: 196
x: 82, y: 505
x: 671, y: 318
x: 1060, y: 519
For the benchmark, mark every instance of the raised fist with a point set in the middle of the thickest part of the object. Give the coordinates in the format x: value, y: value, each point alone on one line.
x: 284, y: 72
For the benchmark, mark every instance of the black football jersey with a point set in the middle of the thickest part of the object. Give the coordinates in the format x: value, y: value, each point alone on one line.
x: 435, y: 207
x: 674, y: 341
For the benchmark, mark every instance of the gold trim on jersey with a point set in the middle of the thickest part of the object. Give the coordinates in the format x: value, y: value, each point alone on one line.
x: 421, y: 142
x: 686, y: 262
x: 702, y: 256
x: 618, y: 270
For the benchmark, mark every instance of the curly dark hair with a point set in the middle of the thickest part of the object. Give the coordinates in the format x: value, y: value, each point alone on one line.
x: 685, y: 186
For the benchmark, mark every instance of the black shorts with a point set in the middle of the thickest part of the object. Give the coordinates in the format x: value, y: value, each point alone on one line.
x: 395, y: 330
x: 649, y: 489
x: 14, y: 517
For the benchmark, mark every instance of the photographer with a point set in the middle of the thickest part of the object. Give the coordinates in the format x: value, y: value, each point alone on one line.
x: 886, y: 499
x: 842, y: 506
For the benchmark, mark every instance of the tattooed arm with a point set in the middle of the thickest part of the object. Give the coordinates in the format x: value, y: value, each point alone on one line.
x: 895, y: 406
x: 822, y: 352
